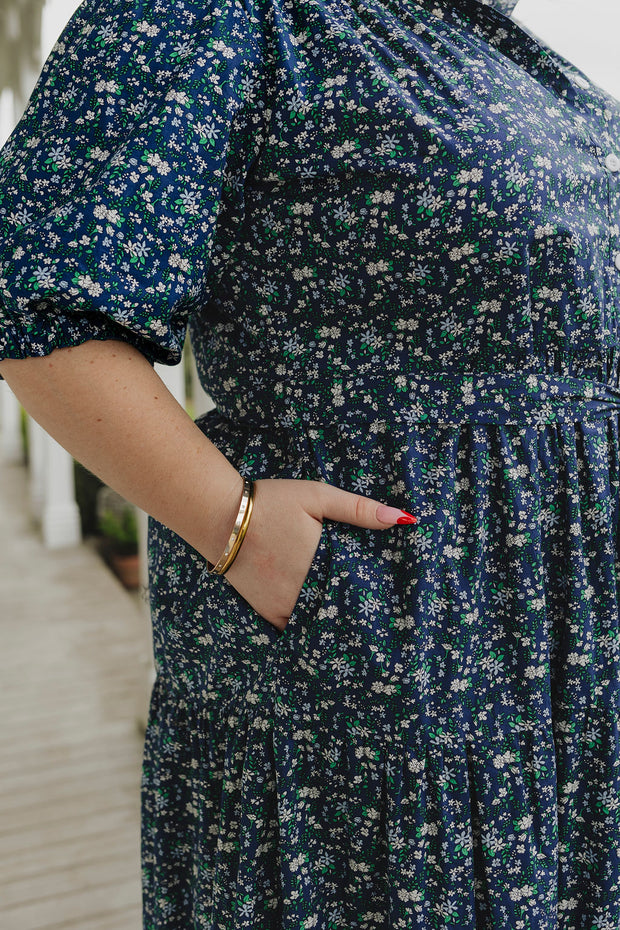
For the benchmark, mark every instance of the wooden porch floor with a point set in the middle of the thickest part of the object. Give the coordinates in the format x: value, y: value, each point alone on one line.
x: 74, y: 678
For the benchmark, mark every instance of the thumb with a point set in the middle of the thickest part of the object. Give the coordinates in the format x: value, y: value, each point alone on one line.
x: 347, y: 507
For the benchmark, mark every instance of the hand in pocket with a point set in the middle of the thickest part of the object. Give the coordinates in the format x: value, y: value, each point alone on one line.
x: 283, y: 536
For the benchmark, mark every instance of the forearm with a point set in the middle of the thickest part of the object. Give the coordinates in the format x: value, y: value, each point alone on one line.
x: 107, y: 406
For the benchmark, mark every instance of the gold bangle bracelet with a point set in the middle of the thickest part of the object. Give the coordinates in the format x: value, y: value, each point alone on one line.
x: 239, y: 530
x: 242, y: 531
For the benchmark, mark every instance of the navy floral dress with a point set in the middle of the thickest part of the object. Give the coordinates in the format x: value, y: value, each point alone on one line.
x: 392, y: 232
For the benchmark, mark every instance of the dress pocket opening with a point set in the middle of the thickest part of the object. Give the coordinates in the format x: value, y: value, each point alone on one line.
x: 314, y: 588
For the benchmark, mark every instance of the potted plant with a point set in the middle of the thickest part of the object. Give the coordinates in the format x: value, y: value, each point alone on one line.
x: 118, y: 527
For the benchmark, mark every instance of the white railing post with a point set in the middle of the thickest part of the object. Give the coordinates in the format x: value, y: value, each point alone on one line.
x: 36, y: 466
x: 173, y: 377
x: 61, y: 517
x: 143, y: 528
x: 12, y: 446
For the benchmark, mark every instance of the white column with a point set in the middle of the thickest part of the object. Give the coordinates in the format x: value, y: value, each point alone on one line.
x: 12, y: 450
x: 142, y: 517
x: 61, y: 517
x: 7, y: 121
x: 147, y: 671
x: 37, y: 438
x: 173, y: 377
x: 11, y: 437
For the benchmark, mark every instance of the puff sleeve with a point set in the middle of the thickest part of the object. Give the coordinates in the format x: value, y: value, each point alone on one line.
x: 144, y: 115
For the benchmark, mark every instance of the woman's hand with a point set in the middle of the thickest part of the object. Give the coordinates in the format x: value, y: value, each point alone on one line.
x: 283, y: 536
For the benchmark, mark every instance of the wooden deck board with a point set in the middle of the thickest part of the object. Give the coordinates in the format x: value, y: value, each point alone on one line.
x: 60, y: 880
x: 75, y: 656
x: 76, y: 905
x: 32, y: 863
x: 118, y: 919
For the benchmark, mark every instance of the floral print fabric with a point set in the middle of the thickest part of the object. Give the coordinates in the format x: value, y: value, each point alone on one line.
x: 392, y: 232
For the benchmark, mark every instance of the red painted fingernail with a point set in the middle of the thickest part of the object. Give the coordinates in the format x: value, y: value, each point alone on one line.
x: 392, y: 515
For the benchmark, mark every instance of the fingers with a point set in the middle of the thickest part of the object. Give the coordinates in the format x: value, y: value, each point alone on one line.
x: 347, y: 507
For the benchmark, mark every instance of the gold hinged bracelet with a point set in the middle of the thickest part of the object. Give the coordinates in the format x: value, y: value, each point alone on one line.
x: 233, y: 545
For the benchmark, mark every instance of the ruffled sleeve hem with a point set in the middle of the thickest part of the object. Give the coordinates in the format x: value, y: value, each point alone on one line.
x: 45, y: 326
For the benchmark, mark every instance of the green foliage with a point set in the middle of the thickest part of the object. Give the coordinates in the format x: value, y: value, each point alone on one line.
x: 23, y: 425
x: 121, y: 528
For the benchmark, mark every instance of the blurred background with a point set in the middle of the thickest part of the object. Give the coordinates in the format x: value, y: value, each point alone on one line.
x: 74, y: 624
x: 587, y: 32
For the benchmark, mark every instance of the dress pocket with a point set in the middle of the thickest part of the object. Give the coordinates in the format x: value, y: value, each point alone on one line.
x: 311, y: 596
